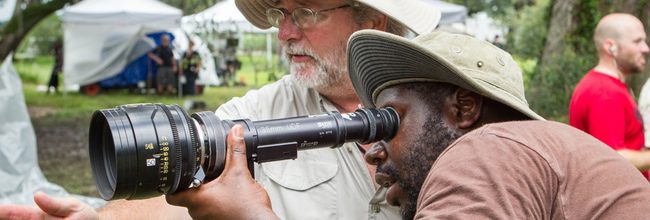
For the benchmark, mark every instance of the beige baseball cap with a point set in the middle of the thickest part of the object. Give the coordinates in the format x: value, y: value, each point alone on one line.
x: 420, y: 17
x: 378, y: 60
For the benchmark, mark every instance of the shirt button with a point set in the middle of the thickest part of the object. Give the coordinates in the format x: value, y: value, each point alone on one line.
x: 375, y: 208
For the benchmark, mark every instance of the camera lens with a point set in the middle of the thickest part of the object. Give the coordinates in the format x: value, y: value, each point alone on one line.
x: 144, y: 150
x: 140, y: 151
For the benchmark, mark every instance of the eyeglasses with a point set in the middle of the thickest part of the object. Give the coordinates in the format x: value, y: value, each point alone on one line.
x: 302, y: 17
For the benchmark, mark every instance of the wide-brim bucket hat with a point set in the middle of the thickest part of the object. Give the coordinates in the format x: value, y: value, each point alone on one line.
x: 418, y: 16
x: 378, y: 60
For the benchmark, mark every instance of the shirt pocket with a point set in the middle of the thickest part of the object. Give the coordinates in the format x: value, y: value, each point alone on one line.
x: 311, y: 168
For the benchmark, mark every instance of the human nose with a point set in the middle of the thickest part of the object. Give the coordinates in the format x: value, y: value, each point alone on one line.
x: 376, y: 154
x: 288, y: 30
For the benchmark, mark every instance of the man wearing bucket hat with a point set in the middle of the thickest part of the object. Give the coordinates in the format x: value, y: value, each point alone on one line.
x: 319, y: 184
x: 468, y: 145
x: 483, y: 156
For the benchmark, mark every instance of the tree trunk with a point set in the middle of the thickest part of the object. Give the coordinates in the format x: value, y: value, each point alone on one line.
x: 623, y: 6
x: 22, y: 22
x: 561, y: 25
x: 564, y: 23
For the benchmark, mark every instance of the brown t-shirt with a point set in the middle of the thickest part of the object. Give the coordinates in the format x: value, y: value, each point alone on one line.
x: 532, y: 170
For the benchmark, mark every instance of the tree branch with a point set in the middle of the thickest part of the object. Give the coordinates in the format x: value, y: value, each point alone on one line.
x: 21, y: 23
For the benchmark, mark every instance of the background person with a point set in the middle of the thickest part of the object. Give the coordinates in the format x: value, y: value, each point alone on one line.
x: 319, y: 184
x: 644, y: 109
x: 56, y: 69
x: 601, y: 104
x: 190, y: 65
x: 165, y: 75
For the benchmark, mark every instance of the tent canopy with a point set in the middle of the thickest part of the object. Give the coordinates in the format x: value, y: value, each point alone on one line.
x: 97, y: 7
x: 100, y: 37
x: 223, y: 16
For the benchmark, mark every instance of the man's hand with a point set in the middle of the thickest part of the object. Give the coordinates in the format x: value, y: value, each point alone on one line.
x: 233, y: 195
x: 50, y: 208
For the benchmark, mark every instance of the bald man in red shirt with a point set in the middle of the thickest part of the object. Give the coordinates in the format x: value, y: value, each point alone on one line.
x: 601, y: 104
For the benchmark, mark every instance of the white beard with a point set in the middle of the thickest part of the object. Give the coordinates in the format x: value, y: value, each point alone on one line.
x: 324, y: 72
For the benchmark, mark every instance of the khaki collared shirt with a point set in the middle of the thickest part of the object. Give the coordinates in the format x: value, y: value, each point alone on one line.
x: 320, y: 184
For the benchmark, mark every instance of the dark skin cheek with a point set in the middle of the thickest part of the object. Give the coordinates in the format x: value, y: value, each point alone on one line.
x: 401, y: 143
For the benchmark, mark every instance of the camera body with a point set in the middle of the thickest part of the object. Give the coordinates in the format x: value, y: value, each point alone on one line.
x: 144, y: 150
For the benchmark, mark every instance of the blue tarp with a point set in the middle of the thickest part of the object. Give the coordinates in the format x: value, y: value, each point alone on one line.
x: 133, y: 73
x: 136, y: 71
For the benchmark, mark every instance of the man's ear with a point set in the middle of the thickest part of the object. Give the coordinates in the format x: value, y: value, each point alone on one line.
x: 465, y: 108
x: 610, y: 45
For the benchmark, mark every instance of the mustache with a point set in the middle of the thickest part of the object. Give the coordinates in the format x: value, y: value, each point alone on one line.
x: 389, y: 170
x: 296, y: 49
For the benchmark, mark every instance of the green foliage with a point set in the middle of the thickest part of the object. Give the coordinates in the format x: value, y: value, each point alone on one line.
x: 473, y: 6
x: 528, y: 67
x: 34, y: 10
x: 526, y: 20
x: 36, y: 70
x: 254, y: 70
x: 639, y: 6
x: 587, y: 15
x: 257, y: 42
x: 42, y: 37
x: 550, y: 87
x: 499, y: 9
x: 528, y: 30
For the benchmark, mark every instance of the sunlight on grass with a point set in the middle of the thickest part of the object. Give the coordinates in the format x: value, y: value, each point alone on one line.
x: 74, y: 104
x: 35, y: 71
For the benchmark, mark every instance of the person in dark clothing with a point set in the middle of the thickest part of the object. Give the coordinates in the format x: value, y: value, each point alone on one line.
x: 58, y: 66
x: 164, y: 57
x: 190, y: 64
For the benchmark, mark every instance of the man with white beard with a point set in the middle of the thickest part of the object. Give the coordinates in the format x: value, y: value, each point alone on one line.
x: 319, y: 184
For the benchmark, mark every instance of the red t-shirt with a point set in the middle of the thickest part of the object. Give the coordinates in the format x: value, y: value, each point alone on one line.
x: 602, y: 106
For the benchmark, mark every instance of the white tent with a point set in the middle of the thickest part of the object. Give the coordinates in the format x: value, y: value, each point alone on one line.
x: 222, y: 17
x: 483, y: 27
x: 208, y: 72
x: 102, y: 36
x: 225, y: 17
x: 451, y: 13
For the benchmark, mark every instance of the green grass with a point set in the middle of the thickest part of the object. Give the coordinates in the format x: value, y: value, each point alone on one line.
x: 74, y: 104
x: 35, y: 71
x: 258, y: 63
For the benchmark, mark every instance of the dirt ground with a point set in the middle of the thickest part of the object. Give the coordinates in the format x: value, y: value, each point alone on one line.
x: 63, y: 151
